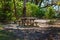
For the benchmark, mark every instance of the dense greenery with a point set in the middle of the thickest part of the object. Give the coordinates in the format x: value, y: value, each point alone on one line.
x: 50, y: 13
x: 13, y: 9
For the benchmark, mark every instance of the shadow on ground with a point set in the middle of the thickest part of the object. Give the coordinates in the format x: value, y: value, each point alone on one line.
x: 52, y: 33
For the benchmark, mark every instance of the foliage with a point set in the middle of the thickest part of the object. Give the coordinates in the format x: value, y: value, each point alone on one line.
x: 19, y: 8
x: 7, y: 11
x: 40, y: 13
x: 50, y: 13
x: 31, y: 10
x: 6, y: 35
x: 58, y: 3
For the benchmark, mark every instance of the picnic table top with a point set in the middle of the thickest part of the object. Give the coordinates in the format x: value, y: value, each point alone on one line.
x: 31, y: 18
x: 41, y: 21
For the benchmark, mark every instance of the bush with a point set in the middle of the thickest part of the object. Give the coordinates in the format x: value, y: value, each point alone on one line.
x: 50, y: 13
x: 31, y: 10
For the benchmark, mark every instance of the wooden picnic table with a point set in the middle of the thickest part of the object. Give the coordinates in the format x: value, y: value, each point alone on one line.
x: 27, y: 21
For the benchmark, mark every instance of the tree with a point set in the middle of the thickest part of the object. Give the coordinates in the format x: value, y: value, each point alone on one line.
x: 40, y: 13
x: 50, y: 14
x: 15, y: 13
x: 5, y: 11
x: 31, y: 9
x: 24, y: 8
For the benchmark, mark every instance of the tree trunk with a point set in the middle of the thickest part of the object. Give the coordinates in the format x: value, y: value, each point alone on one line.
x: 15, y: 13
x: 36, y: 2
x: 24, y: 8
x: 40, y: 3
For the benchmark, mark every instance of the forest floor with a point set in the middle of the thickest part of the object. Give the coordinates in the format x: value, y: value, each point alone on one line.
x: 32, y: 33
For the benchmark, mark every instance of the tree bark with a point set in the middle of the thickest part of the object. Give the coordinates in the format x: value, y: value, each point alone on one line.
x: 15, y: 13
x: 36, y: 2
x: 24, y: 8
x: 40, y: 3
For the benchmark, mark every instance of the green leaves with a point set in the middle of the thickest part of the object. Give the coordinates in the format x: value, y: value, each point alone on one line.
x: 40, y: 13
x: 31, y: 9
x: 50, y: 13
x: 7, y: 10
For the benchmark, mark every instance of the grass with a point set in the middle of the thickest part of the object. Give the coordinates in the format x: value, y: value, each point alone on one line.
x: 1, y: 27
x: 5, y: 35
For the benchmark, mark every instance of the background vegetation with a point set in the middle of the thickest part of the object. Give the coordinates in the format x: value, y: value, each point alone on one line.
x: 11, y: 10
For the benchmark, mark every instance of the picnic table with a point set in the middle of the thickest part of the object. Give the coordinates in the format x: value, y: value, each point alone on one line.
x: 41, y: 22
x: 27, y: 21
